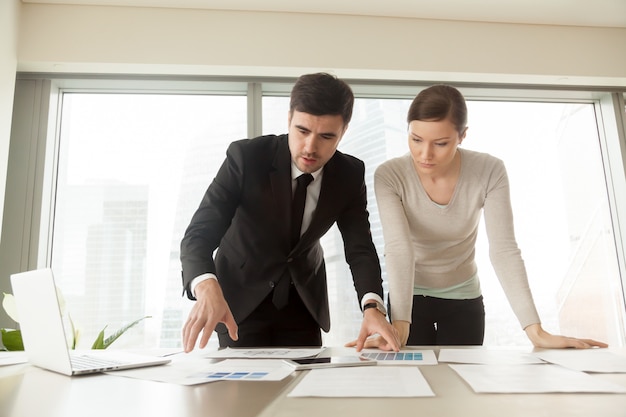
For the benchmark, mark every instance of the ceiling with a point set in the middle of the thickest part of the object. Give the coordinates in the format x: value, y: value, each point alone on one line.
x: 602, y: 13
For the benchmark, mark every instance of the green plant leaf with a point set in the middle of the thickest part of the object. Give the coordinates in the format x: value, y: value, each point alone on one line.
x: 12, y: 339
x: 102, y: 343
x: 74, y: 333
x: 99, y: 342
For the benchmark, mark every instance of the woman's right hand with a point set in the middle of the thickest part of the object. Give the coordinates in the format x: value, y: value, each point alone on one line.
x: 542, y: 339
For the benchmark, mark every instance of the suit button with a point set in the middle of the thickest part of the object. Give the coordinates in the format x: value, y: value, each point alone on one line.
x: 289, y: 260
x: 272, y: 284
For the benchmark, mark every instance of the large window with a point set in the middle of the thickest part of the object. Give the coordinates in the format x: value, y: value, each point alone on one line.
x: 131, y: 169
x: 560, y: 201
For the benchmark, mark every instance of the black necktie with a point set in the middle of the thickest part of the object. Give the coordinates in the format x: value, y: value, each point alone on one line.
x: 280, y: 298
x: 297, y: 206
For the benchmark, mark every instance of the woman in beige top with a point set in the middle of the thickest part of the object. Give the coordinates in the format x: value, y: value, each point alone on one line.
x: 430, y: 203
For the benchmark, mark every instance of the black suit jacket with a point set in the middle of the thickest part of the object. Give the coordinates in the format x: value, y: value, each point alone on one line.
x: 245, y: 214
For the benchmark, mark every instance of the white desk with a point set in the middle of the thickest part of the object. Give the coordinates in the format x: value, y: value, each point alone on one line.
x: 26, y: 391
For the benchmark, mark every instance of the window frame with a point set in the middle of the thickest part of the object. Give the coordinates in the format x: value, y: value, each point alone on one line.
x: 31, y: 177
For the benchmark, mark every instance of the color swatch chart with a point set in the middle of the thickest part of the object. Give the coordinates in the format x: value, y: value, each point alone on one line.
x: 232, y: 375
x: 394, y: 356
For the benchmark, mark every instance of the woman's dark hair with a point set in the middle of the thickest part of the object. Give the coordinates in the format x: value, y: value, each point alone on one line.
x: 322, y: 94
x: 439, y: 102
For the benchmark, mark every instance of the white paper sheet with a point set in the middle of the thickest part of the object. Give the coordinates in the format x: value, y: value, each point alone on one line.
x: 263, y: 353
x: 531, y: 379
x: 588, y: 360
x: 366, y: 381
x: 493, y: 356
x: 13, y: 358
x: 186, y: 371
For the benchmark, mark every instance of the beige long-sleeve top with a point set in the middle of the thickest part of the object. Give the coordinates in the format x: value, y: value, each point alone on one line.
x: 431, y: 246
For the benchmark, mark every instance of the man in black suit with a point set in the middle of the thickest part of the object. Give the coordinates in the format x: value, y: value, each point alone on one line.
x: 266, y: 287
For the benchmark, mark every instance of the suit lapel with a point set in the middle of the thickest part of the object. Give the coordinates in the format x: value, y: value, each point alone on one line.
x: 280, y: 179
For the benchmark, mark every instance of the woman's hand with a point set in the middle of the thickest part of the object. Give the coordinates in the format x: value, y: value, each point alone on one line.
x: 542, y: 339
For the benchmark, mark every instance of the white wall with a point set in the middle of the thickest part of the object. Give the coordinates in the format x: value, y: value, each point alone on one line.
x: 90, y: 39
x: 9, y: 19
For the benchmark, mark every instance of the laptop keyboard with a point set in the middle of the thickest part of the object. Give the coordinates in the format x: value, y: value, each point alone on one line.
x: 394, y: 356
x: 81, y: 362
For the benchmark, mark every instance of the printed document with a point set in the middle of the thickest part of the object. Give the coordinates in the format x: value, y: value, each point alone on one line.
x: 363, y: 381
x: 524, y: 379
x: 587, y: 360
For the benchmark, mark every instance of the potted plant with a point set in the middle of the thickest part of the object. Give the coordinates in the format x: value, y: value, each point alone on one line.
x: 12, y: 338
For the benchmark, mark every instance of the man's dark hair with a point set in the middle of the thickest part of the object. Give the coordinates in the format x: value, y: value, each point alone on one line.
x: 322, y: 94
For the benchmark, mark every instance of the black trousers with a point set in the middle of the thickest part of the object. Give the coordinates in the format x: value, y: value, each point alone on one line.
x: 267, y: 326
x: 441, y: 322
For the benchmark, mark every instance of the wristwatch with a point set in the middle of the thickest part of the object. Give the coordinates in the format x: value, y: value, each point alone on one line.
x: 378, y: 306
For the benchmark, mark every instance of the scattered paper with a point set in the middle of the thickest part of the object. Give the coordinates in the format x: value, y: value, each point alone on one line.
x: 544, y: 378
x: 185, y: 371
x: 366, y: 381
x: 263, y: 353
x: 243, y: 370
x: 587, y: 360
x: 489, y: 356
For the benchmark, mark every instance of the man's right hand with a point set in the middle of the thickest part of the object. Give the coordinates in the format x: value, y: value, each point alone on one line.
x: 209, y: 309
x: 403, y: 328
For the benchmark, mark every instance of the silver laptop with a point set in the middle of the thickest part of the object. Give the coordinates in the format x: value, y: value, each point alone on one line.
x: 44, y: 336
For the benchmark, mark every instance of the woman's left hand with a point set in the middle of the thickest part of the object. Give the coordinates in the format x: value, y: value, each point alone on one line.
x: 542, y: 339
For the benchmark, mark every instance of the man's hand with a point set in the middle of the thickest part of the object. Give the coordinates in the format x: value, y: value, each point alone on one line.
x: 542, y: 339
x: 402, y: 327
x: 374, y: 322
x: 210, y: 308
x: 402, y: 331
